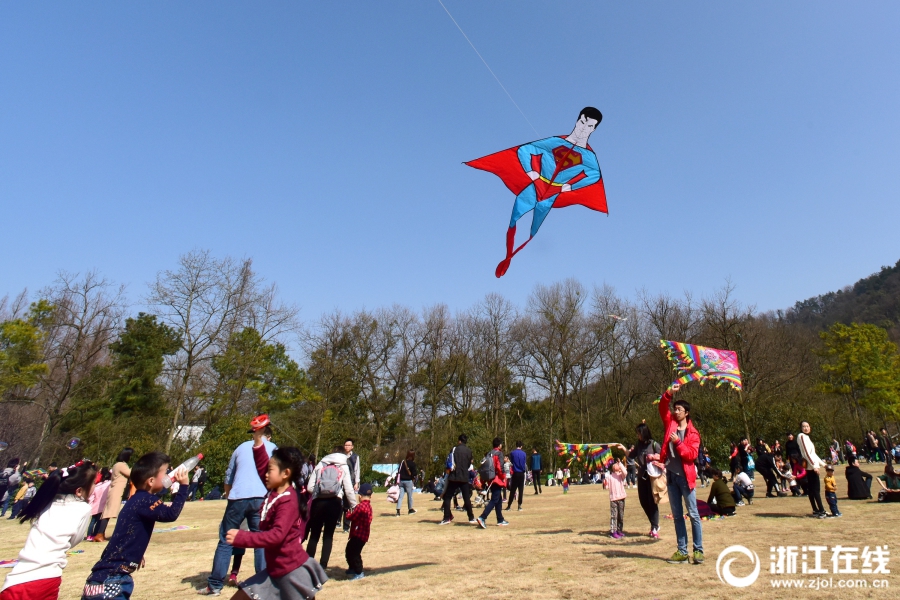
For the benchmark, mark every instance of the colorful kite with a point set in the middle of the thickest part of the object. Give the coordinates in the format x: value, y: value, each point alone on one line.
x: 550, y: 173
x: 599, y: 454
x: 699, y: 363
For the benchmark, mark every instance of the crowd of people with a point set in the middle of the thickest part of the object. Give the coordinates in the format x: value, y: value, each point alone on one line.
x: 287, y: 506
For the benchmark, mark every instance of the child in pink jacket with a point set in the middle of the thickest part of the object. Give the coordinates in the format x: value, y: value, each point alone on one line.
x: 98, y: 501
x: 616, y: 479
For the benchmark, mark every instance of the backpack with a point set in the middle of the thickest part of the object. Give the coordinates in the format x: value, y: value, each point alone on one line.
x: 450, y: 463
x: 328, y: 484
x: 487, y: 471
x: 4, y: 479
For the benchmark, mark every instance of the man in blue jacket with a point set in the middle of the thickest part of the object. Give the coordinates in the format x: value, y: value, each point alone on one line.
x: 517, y: 482
x: 535, y: 461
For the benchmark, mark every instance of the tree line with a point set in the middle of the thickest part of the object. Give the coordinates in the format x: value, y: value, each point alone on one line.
x: 213, y: 345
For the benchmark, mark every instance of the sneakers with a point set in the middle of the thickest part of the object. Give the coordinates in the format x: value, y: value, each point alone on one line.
x: 749, y: 500
x: 480, y: 522
x: 208, y: 591
x: 398, y: 514
x: 654, y: 534
x: 357, y: 576
x: 613, y: 535
x: 518, y: 509
x: 412, y: 511
x: 473, y: 522
x: 679, y: 558
x: 350, y: 573
x: 617, y: 535
x: 232, y: 580
x: 822, y: 516
x: 89, y: 538
x: 446, y: 521
x: 741, y: 503
x: 503, y: 523
x: 698, y: 557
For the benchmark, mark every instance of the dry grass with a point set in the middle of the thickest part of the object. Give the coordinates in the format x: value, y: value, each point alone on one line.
x: 555, y: 548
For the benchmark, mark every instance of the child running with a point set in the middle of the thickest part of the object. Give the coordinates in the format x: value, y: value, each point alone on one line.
x: 290, y: 573
x: 361, y: 519
x: 59, y: 514
x: 831, y: 491
x: 616, y: 479
x: 110, y: 579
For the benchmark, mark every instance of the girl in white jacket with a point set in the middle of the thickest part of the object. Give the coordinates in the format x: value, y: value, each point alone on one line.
x: 59, y: 516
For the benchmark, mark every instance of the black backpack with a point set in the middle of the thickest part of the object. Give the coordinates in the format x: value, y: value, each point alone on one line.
x: 4, y: 479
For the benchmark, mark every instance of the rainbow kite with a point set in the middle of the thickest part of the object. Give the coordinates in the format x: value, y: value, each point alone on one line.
x: 599, y: 454
x: 699, y: 363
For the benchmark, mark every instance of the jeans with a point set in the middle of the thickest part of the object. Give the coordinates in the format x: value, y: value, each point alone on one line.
x: 192, y: 490
x: 114, y: 587
x: 9, y: 497
x: 831, y: 497
x: 406, y: 487
x: 94, y: 524
x: 516, y: 486
x: 450, y: 492
x: 680, y: 495
x: 495, y: 504
x: 235, y: 512
x: 741, y: 492
x: 324, y: 514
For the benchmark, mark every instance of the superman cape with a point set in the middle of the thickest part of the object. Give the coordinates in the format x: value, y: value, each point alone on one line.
x: 505, y: 165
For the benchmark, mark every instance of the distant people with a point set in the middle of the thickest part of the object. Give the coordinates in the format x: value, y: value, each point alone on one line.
x: 354, y: 467
x: 195, y: 482
x: 535, y: 465
x: 407, y: 475
x: 59, y: 516
x: 791, y: 447
x: 559, y: 476
x: 331, y: 487
x: 813, y: 464
x: 765, y: 464
x: 110, y: 577
x: 459, y: 459
x: 644, y: 448
x: 720, y: 500
x: 117, y: 486
x: 890, y: 485
x: 743, y: 489
x: 682, y: 443
x: 245, y: 492
x: 494, y: 480
x: 23, y: 497
x: 9, y: 482
x: 859, y: 483
x: 517, y: 461
x: 97, y: 500
x: 831, y: 491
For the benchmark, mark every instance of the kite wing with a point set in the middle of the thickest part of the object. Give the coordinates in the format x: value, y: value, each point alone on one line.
x: 505, y: 165
x: 599, y: 454
x: 700, y: 363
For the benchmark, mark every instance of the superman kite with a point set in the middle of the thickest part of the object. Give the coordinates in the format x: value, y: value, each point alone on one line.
x: 551, y: 173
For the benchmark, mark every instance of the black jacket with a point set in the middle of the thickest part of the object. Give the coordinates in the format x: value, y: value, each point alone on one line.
x: 408, y: 470
x: 857, y: 488
x: 462, y: 458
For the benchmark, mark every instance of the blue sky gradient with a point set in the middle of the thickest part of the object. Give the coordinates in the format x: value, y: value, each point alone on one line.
x: 326, y: 140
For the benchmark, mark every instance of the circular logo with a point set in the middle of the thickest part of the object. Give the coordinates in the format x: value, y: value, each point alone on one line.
x: 724, y: 570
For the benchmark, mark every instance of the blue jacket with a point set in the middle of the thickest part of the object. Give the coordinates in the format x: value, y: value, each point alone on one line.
x: 535, y: 462
x: 242, y: 475
x: 517, y: 458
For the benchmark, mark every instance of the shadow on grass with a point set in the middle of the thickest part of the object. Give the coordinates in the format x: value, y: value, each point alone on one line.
x: 627, y: 554
x: 382, y: 570
x: 199, y: 580
x: 552, y: 532
x: 779, y: 515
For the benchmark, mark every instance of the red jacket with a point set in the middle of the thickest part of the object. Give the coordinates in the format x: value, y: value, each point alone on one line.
x: 500, y: 476
x: 687, y: 449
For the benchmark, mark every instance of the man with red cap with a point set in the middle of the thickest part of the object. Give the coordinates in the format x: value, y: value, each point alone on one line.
x: 245, y: 492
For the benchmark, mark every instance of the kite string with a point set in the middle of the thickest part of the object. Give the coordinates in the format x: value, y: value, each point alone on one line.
x: 488, y: 66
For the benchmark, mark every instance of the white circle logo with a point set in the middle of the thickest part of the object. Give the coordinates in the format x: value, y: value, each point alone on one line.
x: 724, y: 571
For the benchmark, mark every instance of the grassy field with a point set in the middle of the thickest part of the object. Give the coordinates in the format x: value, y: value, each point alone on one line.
x: 555, y: 548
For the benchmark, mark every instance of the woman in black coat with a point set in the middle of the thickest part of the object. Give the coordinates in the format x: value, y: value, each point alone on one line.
x: 859, y: 483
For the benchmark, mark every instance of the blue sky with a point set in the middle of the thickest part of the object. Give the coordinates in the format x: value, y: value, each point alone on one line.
x: 325, y: 140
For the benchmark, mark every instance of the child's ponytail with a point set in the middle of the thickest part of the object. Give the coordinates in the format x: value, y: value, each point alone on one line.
x: 60, y: 481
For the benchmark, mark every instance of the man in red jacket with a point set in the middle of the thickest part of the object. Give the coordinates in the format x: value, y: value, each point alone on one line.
x: 495, y: 486
x: 682, y: 444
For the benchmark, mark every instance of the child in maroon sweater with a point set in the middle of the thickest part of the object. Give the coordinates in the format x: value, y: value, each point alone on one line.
x: 360, y: 518
x: 290, y: 573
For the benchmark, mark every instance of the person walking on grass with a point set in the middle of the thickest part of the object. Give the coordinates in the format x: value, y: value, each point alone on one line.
x: 361, y: 520
x: 813, y: 465
x: 458, y: 479
x: 408, y: 472
x: 535, y: 464
x: 491, y: 473
x: 353, y: 466
x: 682, y: 443
x: 331, y: 488
x: 517, y: 483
